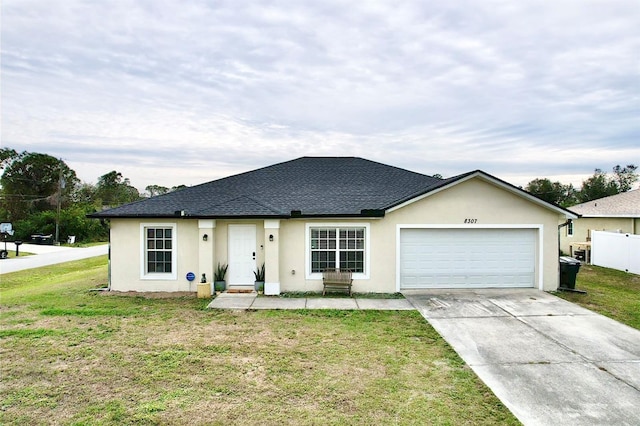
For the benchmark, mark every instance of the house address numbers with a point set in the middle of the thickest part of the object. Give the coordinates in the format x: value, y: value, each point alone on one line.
x: 471, y: 221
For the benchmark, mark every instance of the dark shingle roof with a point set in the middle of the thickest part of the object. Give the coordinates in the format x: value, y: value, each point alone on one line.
x: 314, y: 186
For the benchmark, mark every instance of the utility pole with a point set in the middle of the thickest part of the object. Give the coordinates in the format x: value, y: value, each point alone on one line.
x: 61, y: 186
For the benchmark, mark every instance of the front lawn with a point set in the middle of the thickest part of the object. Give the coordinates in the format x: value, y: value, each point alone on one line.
x: 613, y: 293
x: 71, y: 356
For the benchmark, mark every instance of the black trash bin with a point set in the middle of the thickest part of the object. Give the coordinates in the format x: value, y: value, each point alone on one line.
x: 569, y: 268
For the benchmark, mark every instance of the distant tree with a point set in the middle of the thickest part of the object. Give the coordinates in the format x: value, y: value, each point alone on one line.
x: 7, y: 156
x: 32, y: 182
x: 625, y: 177
x: 114, y: 189
x: 154, y: 190
x: 553, y: 192
x: 437, y: 176
x: 601, y: 185
x: 175, y: 188
x: 85, y: 194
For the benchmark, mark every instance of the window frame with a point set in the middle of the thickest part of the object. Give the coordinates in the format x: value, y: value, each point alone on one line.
x: 570, y: 229
x: 337, y: 226
x: 161, y: 276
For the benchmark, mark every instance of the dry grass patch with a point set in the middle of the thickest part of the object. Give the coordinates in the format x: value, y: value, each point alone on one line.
x: 81, y: 358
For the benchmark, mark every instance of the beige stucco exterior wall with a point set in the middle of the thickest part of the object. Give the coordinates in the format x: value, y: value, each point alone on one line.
x: 286, y: 256
x: 490, y: 205
x: 468, y: 200
x: 582, y: 226
x: 126, y: 261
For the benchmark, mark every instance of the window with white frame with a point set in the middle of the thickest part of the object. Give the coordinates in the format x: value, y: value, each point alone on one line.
x: 337, y: 247
x: 158, y: 253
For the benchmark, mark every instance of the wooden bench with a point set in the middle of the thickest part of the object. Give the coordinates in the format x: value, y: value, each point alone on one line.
x: 336, y: 279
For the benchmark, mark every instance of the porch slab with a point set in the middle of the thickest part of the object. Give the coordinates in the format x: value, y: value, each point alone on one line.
x: 385, y: 304
x: 233, y: 301
x: 317, y: 303
x: 278, y: 303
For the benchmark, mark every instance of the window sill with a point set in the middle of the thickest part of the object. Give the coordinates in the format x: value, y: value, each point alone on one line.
x: 318, y: 276
x: 159, y: 277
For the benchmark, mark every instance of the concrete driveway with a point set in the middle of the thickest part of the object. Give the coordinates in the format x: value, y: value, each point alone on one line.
x: 549, y: 361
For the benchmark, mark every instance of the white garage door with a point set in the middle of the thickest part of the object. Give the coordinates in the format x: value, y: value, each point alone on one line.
x: 467, y: 258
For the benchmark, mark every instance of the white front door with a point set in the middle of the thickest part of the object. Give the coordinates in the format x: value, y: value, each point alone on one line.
x: 242, y: 254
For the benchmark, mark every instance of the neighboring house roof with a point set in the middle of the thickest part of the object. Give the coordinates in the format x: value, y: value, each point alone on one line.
x: 626, y: 204
x: 304, y: 187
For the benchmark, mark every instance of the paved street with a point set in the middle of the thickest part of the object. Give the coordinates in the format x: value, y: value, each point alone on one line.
x: 46, y: 255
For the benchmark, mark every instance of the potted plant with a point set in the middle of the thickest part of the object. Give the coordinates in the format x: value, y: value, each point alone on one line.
x: 219, y: 274
x: 259, y: 274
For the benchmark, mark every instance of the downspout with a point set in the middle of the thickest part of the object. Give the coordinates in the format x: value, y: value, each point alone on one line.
x: 562, y: 225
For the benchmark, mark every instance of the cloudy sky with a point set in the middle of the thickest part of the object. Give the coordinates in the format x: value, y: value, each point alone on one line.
x: 173, y: 92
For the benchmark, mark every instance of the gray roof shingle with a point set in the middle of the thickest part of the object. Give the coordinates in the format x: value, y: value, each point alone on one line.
x: 626, y: 204
x: 314, y: 186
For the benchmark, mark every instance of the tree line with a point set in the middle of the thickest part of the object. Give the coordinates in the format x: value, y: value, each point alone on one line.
x: 599, y: 185
x: 39, y: 191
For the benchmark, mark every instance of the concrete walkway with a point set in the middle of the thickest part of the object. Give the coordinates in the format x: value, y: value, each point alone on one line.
x: 46, y: 255
x: 549, y: 361
x: 242, y: 301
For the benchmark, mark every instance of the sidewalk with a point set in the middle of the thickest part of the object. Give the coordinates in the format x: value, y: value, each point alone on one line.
x: 244, y: 301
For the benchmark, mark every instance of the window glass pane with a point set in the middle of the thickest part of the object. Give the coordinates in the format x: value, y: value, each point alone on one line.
x: 158, y: 252
x: 321, y: 260
x: 346, y: 244
x: 352, y: 260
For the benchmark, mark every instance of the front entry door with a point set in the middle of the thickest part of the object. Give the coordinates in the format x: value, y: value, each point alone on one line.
x: 242, y: 254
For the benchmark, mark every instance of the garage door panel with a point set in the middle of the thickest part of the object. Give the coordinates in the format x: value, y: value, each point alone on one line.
x: 467, y: 258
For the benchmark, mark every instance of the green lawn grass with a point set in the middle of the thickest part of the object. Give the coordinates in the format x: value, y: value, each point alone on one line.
x: 73, y: 356
x: 613, y: 293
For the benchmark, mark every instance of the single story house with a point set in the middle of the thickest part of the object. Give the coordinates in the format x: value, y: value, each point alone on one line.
x: 395, y: 229
x: 616, y: 213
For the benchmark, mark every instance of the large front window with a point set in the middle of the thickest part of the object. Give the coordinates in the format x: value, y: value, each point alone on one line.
x: 158, y: 255
x: 338, y: 247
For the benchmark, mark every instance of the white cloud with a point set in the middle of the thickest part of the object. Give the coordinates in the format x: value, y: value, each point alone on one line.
x: 172, y: 92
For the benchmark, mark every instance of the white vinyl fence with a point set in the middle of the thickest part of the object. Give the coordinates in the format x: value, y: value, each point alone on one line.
x: 617, y: 251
